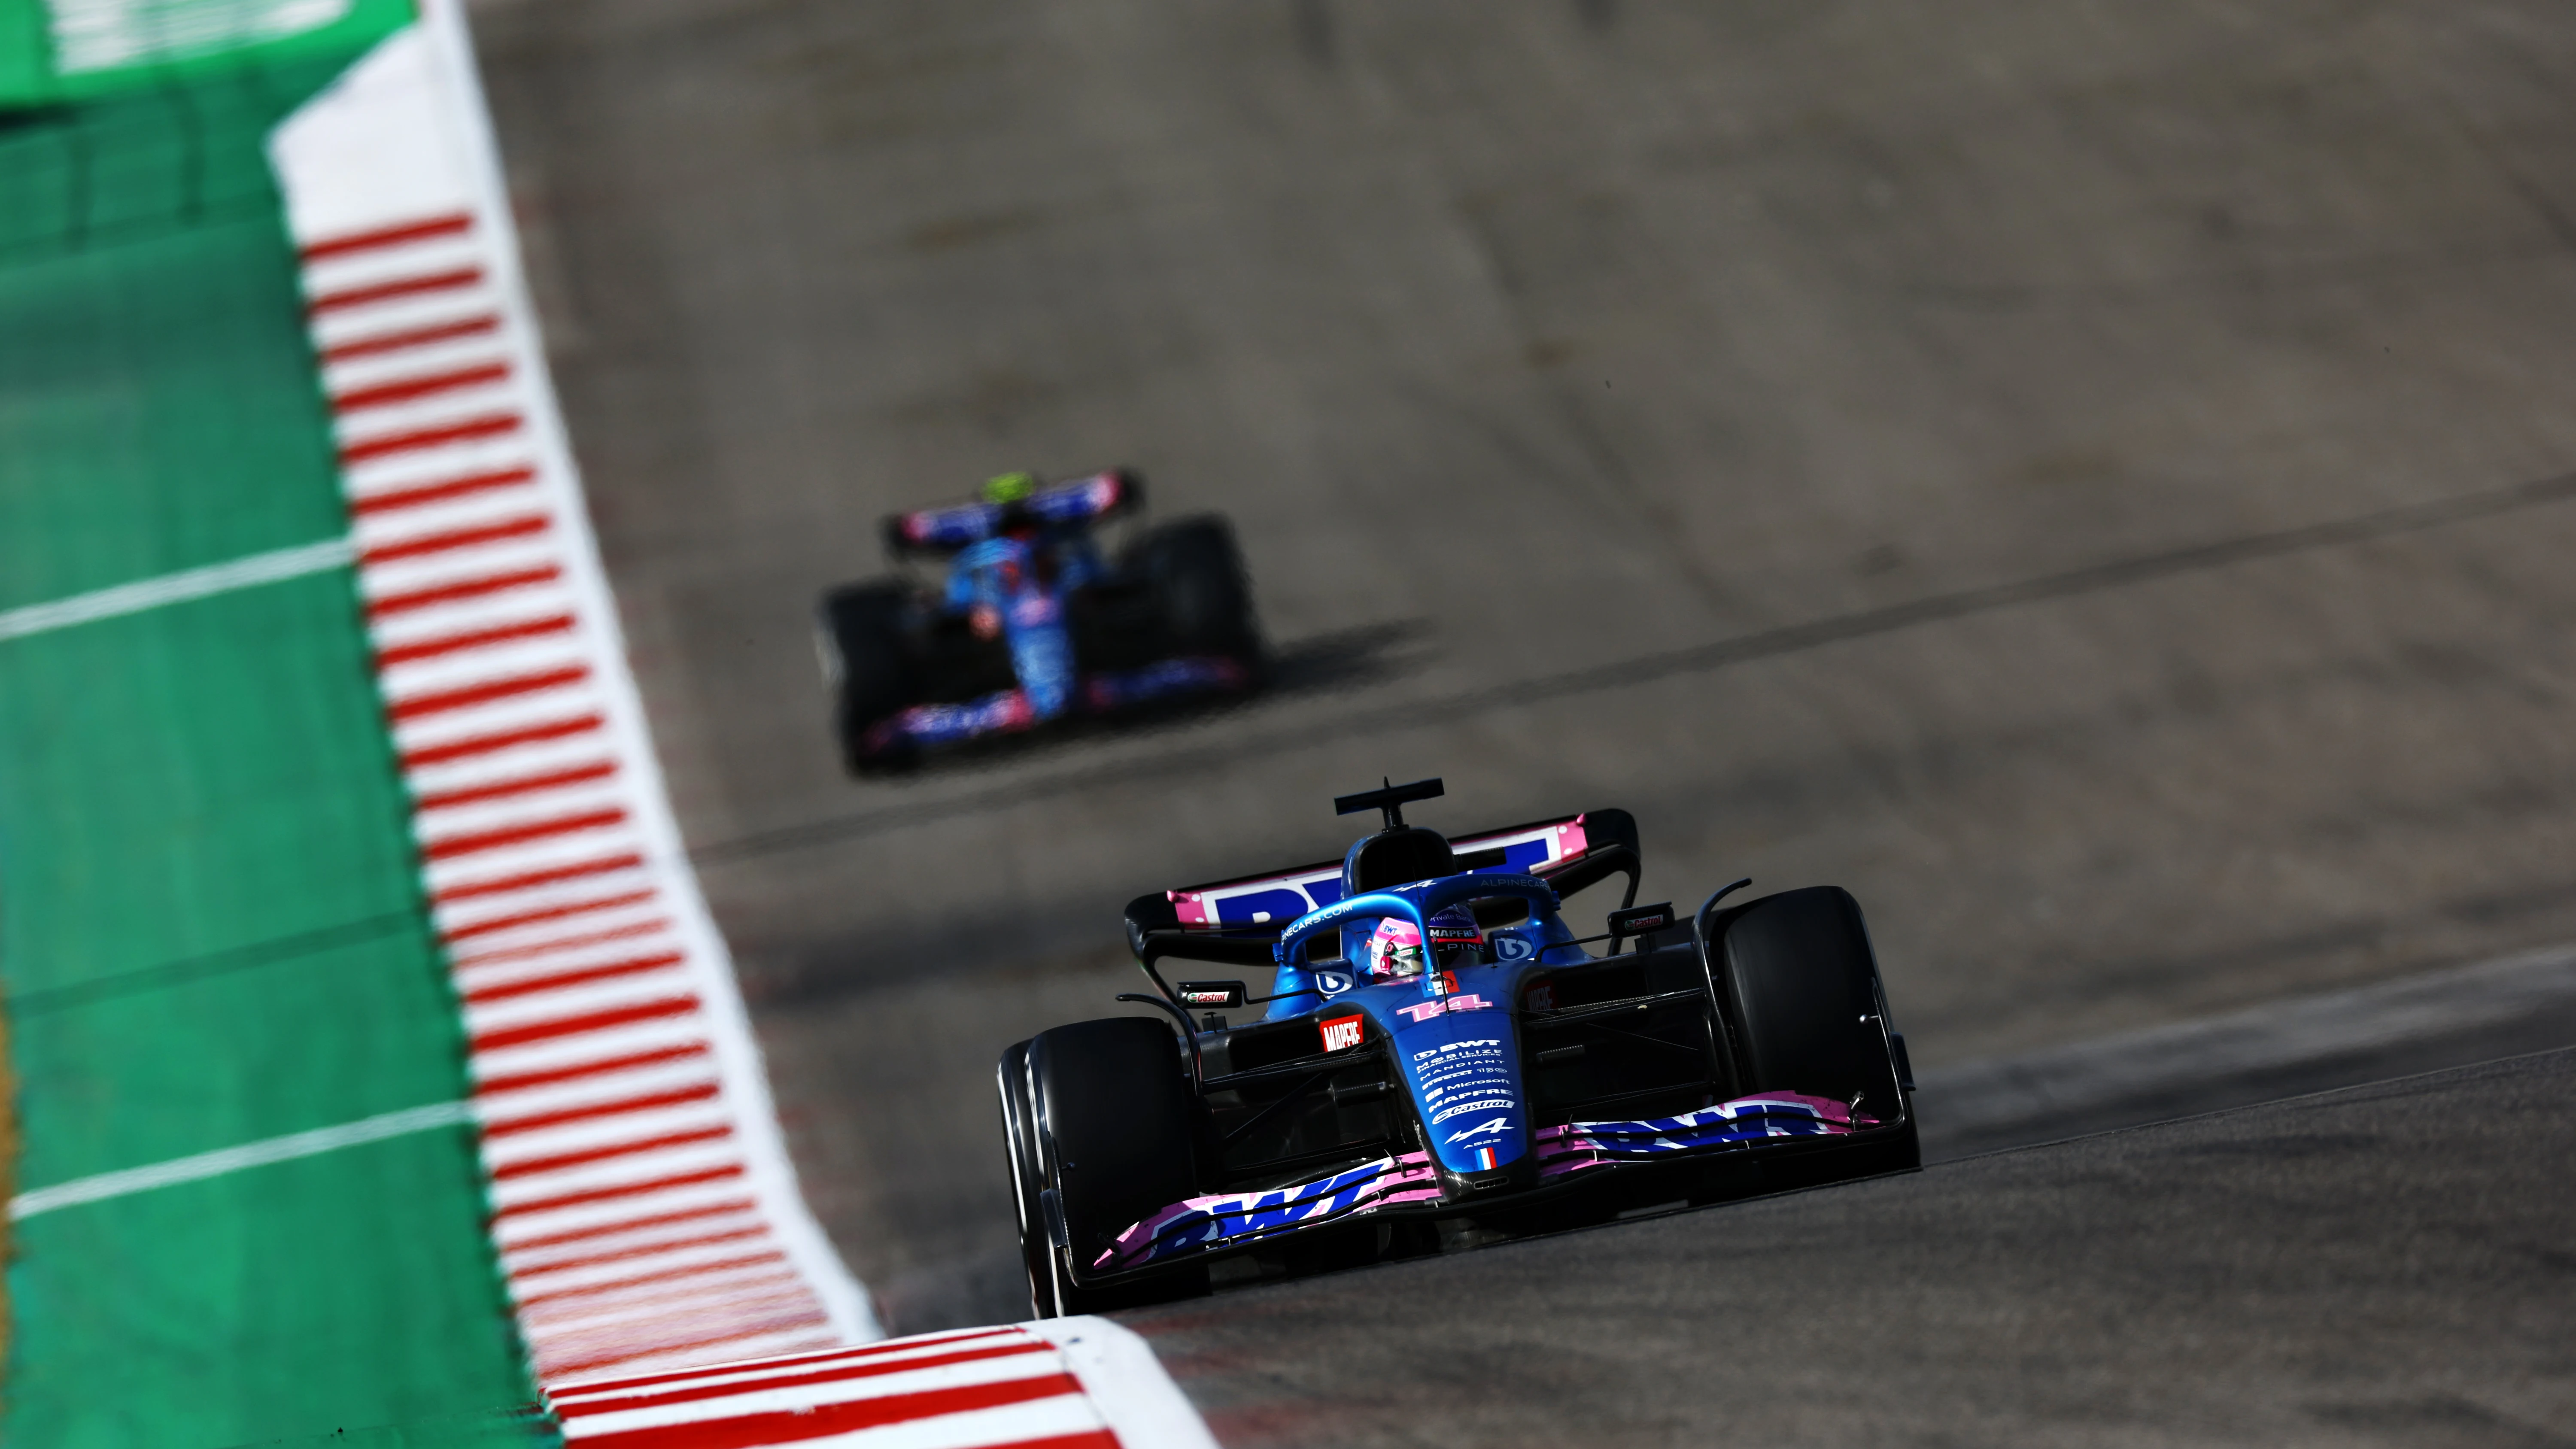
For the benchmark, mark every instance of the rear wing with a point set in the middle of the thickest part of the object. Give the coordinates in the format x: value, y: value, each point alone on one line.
x: 1235, y: 921
x: 1073, y: 501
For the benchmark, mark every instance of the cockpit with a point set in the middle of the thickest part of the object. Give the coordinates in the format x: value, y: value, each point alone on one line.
x: 1240, y: 921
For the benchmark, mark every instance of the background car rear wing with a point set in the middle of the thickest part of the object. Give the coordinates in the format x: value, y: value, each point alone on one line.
x: 1237, y: 920
x: 1073, y: 501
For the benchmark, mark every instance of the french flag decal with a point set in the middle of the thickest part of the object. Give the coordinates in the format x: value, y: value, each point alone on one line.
x: 1484, y: 1158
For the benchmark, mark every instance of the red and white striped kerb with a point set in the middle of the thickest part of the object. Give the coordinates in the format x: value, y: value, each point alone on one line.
x: 642, y: 1203
x: 1058, y: 1384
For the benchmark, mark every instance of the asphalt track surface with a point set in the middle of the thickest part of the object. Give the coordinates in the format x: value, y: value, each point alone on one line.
x: 2095, y: 480
x: 2386, y: 1265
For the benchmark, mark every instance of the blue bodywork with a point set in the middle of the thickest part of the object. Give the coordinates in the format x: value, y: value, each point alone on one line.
x: 1454, y: 1039
x: 1024, y: 581
x: 1452, y: 1033
x: 1019, y: 565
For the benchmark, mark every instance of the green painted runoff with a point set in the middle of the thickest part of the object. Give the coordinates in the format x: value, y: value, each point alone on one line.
x: 53, y: 51
x: 210, y: 927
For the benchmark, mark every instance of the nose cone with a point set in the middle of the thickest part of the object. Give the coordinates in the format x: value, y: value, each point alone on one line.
x: 1460, y: 1056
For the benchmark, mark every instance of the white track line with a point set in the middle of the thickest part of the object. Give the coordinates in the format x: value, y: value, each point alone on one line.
x: 1126, y: 1383
x: 196, y: 583
x: 234, y: 1159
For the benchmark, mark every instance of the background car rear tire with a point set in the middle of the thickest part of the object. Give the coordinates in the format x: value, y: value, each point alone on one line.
x: 1200, y: 587
x: 1020, y: 1146
x: 1803, y: 989
x: 865, y: 665
x: 1117, y: 1131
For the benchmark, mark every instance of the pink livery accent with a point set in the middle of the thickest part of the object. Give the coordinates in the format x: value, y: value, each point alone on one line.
x: 1232, y: 1219
x: 1292, y: 893
x: 1577, y: 1146
x: 1422, y: 1011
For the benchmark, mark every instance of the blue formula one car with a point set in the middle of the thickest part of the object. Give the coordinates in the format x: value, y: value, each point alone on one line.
x: 1441, y: 1062
x: 1032, y: 625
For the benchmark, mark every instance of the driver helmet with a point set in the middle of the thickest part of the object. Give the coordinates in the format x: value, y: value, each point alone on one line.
x: 1395, y: 948
x: 1005, y: 488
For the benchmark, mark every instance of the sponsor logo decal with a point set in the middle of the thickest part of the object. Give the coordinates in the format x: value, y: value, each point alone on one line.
x: 1541, y: 997
x: 1208, y: 998
x: 1340, y: 1033
x: 1425, y: 1010
x: 1638, y: 920
x: 1457, y: 1046
x: 1512, y: 947
x: 1495, y: 1128
x: 1332, y: 983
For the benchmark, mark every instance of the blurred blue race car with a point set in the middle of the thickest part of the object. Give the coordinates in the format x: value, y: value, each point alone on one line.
x: 1032, y: 624
x: 1441, y: 1062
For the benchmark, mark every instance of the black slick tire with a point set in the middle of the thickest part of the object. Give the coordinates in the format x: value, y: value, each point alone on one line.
x: 1200, y: 588
x: 1117, y: 1128
x: 1802, y: 987
x: 864, y: 663
x: 1020, y: 1145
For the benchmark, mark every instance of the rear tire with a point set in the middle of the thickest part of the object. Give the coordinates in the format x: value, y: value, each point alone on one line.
x: 864, y: 663
x: 1117, y: 1128
x: 1200, y: 588
x: 1803, y: 988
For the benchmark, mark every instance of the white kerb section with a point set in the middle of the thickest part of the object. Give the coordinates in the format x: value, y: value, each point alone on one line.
x: 644, y: 1208
x: 1065, y: 1383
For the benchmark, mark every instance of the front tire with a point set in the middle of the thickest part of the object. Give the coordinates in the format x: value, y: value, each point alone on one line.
x: 1803, y: 990
x: 865, y: 665
x: 1117, y: 1131
x: 1020, y: 1144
